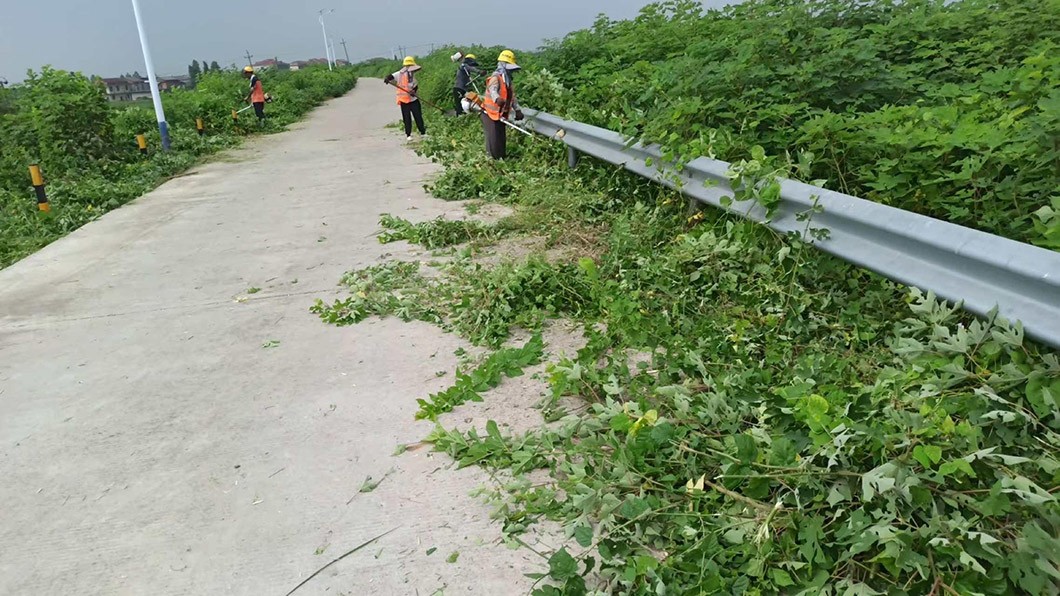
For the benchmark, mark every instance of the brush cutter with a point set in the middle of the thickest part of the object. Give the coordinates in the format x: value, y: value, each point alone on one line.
x: 414, y: 95
x: 475, y: 102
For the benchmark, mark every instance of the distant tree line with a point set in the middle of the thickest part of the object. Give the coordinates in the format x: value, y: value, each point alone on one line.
x: 195, y: 69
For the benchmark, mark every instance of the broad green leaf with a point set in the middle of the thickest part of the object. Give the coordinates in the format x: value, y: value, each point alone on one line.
x: 878, y: 480
x: 634, y: 507
x: 562, y: 566
x: 493, y: 431
x: 972, y: 563
x: 816, y: 409
x: 781, y: 578
x: 956, y: 467
x: 927, y: 455
x: 584, y: 536
x: 746, y: 449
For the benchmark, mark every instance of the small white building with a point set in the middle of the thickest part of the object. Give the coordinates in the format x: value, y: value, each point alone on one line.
x: 127, y: 88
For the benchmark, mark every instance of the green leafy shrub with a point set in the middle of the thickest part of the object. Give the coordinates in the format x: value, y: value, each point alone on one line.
x: 756, y: 417
x: 944, y: 108
x: 87, y: 147
x: 949, y: 109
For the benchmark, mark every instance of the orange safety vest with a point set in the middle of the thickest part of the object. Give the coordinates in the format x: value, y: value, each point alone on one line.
x: 498, y: 93
x: 257, y: 94
x: 406, y: 80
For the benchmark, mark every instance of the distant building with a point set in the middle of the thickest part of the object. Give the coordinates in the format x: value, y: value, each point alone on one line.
x: 300, y: 64
x: 171, y: 83
x: 127, y: 88
x: 271, y: 64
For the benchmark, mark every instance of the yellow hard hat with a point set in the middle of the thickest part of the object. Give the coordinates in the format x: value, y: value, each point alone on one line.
x: 409, y: 61
x: 507, y: 57
x: 471, y: 56
x: 248, y: 69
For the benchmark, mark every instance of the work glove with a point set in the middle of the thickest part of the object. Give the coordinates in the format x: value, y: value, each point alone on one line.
x: 388, y: 79
x: 518, y: 114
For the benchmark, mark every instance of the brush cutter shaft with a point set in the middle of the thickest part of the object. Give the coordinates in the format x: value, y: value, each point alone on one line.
x: 414, y: 95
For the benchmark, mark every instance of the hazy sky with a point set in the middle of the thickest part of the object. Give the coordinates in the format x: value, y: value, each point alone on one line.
x: 99, y: 36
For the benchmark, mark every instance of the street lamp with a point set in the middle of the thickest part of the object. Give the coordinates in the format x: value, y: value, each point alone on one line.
x: 327, y: 51
x: 163, y: 128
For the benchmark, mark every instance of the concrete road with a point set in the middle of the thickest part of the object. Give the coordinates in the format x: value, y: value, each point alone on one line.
x: 151, y: 444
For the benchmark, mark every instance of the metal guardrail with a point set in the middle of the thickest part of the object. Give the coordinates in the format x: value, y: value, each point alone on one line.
x: 959, y: 264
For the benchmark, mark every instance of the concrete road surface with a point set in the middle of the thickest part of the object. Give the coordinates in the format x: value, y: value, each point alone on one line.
x: 164, y: 429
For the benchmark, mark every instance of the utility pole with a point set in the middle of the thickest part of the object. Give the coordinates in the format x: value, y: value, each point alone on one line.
x: 347, y: 52
x: 250, y: 58
x: 334, y: 57
x: 327, y: 51
x: 156, y: 99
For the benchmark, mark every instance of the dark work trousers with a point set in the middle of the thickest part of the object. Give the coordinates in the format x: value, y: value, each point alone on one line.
x: 408, y: 112
x: 259, y: 110
x: 496, y: 137
x: 458, y: 94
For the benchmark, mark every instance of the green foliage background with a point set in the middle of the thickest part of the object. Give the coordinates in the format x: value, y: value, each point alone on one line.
x: 753, y: 416
x: 951, y: 109
x: 87, y: 150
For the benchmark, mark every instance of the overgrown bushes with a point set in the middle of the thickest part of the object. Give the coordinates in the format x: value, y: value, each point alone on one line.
x: 951, y: 109
x: 87, y: 150
x: 758, y: 418
x: 755, y: 416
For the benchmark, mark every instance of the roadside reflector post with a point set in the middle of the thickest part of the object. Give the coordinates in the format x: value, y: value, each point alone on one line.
x: 141, y: 142
x: 572, y: 157
x: 199, y: 126
x: 235, y: 116
x: 38, y: 186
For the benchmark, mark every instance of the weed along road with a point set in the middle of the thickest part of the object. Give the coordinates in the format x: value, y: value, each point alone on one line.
x: 176, y: 421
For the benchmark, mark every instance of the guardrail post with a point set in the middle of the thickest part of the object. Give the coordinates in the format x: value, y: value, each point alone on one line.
x: 38, y: 186
x: 694, y: 207
x: 200, y: 127
x: 572, y: 157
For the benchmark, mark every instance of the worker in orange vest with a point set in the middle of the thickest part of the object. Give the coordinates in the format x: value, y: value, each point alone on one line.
x: 498, y: 104
x: 256, y: 95
x: 407, y: 87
